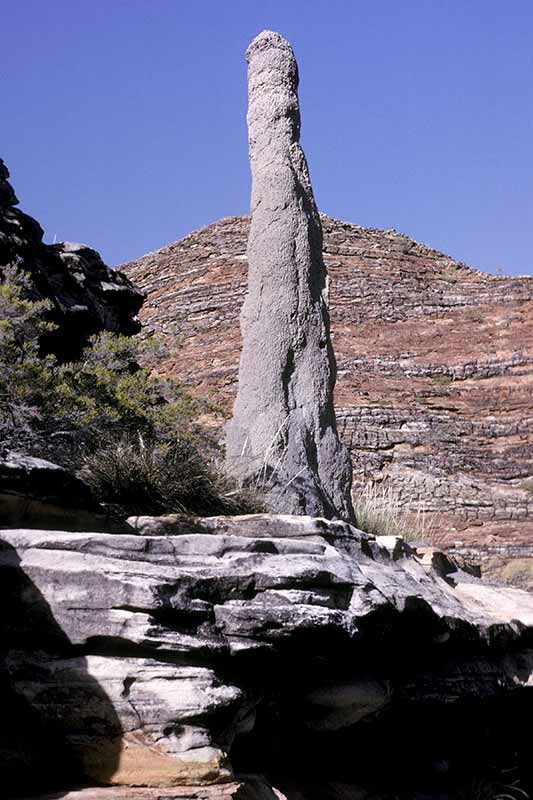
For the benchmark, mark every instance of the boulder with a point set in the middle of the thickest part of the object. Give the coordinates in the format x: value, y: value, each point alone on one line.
x: 244, y: 645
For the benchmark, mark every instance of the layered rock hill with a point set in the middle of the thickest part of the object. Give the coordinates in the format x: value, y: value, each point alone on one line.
x: 86, y: 296
x: 435, y: 374
x: 193, y: 654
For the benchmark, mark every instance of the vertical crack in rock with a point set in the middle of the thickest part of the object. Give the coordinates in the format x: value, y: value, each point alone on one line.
x: 283, y: 433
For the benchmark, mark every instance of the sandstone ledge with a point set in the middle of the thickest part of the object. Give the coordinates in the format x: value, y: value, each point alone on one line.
x: 154, y: 660
x: 250, y: 789
x: 434, y: 371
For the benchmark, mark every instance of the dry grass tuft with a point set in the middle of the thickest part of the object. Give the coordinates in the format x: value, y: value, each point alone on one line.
x: 379, y: 511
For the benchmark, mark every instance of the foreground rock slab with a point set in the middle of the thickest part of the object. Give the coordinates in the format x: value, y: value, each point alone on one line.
x: 283, y: 432
x: 153, y: 660
x: 38, y: 493
x: 86, y: 296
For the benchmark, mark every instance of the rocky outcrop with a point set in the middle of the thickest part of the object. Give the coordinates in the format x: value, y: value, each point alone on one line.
x: 35, y: 492
x: 195, y: 651
x: 86, y: 296
x: 435, y: 370
x: 283, y: 431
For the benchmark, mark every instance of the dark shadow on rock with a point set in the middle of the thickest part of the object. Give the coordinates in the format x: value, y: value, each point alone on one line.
x: 57, y: 720
x: 412, y: 749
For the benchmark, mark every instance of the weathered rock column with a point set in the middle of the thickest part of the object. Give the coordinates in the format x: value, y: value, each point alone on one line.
x: 283, y: 431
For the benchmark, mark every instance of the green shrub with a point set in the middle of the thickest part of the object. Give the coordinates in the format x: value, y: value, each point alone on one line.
x: 25, y: 378
x: 450, y: 274
x: 106, y: 392
x: 133, y: 435
x: 474, y: 315
x: 442, y: 380
x: 138, y: 476
x: 527, y: 485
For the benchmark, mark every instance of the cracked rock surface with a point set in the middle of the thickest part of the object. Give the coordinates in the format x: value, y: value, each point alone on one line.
x: 185, y: 653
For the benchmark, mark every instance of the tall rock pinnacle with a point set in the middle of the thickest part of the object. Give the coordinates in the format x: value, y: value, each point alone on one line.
x: 283, y: 430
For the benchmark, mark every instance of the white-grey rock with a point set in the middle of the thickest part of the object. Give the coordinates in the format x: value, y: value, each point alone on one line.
x: 283, y: 433
x: 141, y: 658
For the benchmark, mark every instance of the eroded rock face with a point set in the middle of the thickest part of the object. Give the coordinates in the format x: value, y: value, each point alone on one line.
x: 435, y: 371
x: 87, y: 296
x: 283, y: 430
x: 263, y: 644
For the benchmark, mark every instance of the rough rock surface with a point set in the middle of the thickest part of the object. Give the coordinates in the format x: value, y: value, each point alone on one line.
x: 255, y: 645
x: 35, y: 492
x: 252, y: 788
x: 283, y: 430
x: 435, y: 372
x: 86, y: 295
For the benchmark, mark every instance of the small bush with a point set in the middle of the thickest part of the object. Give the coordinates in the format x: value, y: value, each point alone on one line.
x: 450, y: 274
x: 25, y: 377
x: 137, y: 476
x: 527, y: 485
x: 107, y: 393
x: 474, y: 315
x: 442, y: 380
x: 57, y: 410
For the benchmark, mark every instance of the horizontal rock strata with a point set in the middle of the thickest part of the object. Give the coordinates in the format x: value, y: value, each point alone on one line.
x: 38, y: 493
x: 250, y: 789
x: 283, y: 432
x: 434, y: 380
x: 191, y: 650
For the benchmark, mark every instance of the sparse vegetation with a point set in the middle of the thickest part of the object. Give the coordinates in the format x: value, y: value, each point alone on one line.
x: 378, y: 510
x: 449, y: 274
x: 518, y: 571
x: 137, y: 476
x: 133, y: 435
x: 500, y: 784
x: 474, y: 315
x: 25, y: 377
x: 527, y: 485
x: 442, y: 380
x: 105, y: 393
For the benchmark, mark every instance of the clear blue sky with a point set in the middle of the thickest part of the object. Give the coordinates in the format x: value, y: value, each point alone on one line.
x: 123, y: 122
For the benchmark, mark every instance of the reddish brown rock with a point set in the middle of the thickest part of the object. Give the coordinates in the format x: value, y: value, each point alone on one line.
x: 435, y: 374
x: 251, y: 789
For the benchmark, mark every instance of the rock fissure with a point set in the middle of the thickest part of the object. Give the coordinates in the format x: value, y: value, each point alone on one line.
x: 283, y: 684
